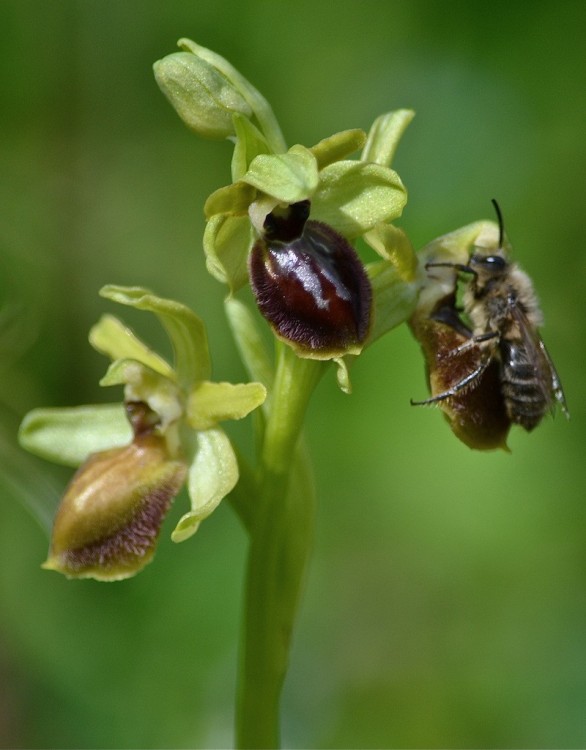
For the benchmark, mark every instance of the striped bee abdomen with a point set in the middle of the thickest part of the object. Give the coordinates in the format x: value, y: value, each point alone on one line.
x: 526, y: 401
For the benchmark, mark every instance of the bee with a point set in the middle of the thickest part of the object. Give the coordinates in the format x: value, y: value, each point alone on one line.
x: 502, y: 307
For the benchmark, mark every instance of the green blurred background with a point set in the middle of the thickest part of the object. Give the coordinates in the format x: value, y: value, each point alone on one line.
x: 446, y: 603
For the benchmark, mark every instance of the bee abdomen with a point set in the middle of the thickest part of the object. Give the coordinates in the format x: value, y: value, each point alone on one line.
x: 523, y: 394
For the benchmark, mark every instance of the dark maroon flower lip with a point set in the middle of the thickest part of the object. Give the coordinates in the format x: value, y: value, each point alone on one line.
x: 310, y: 285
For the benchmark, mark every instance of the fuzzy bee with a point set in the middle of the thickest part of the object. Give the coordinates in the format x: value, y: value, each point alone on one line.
x: 501, y: 305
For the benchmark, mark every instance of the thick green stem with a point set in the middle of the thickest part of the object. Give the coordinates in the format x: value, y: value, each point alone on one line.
x: 279, y: 550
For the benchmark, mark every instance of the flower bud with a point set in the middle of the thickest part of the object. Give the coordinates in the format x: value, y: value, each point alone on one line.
x: 109, y: 519
x: 310, y: 285
x: 476, y: 413
x: 202, y: 96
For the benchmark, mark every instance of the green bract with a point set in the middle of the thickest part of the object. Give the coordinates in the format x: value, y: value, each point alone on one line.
x: 185, y: 78
x: 187, y: 406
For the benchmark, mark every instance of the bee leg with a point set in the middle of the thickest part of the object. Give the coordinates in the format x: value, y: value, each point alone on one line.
x: 458, y: 266
x: 476, y: 340
x: 476, y: 373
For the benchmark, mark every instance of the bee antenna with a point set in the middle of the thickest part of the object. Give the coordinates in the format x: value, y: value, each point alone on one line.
x: 499, y: 216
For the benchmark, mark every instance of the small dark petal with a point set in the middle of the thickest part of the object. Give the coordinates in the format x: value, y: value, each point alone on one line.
x: 286, y: 224
x: 141, y: 417
x: 314, y: 291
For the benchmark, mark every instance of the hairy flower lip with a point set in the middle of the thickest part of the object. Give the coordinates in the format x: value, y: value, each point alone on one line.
x: 310, y: 285
x: 109, y: 520
x: 476, y: 414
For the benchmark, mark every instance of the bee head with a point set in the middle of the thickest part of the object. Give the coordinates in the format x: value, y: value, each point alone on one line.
x: 486, y: 264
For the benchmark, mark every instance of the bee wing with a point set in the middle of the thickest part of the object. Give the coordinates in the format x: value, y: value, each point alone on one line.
x: 556, y: 385
x: 547, y: 375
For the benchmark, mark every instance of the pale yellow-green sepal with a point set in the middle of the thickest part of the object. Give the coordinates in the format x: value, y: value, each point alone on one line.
x: 69, y: 435
x: 111, y: 337
x: 288, y: 178
x: 185, y: 329
x: 212, y: 475
x: 210, y: 403
x: 354, y: 197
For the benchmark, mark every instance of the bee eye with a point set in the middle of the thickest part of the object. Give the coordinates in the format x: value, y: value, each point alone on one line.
x: 492, y: 263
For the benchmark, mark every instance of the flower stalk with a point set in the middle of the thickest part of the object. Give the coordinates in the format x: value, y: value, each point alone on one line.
x: 280, y: 545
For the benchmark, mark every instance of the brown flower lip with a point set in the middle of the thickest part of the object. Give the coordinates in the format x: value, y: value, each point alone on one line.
x: 310, y: 285
x: 477, y: 413
x: 109, y: 520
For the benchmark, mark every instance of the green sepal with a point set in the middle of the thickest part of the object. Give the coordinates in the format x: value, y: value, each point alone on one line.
x: 185, y: 329
x: 384, y: 136
x: 354, y: 197
x: 212, y: 475
x: 392, y: 244
x: 250, y: 142
x: 227, y: 241
x: 338, y: 146
x: 111, y: 337
x: 288, y: 178
x: 69, y: 435
x: 210, y: 403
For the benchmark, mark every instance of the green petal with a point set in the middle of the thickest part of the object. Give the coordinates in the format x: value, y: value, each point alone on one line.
x: 338, y: 146
x: 210, y: 403
x: 288, y: 178
x: 384, y: 136
x: 111, y: 337
x: 353, y: 197
x: 185, y: 329
x: 212, y: 475
x: 250, y: 142
x: 227, y: 241
x: 69, y: 435
x: 144, y: 384
x: 232, y: 200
